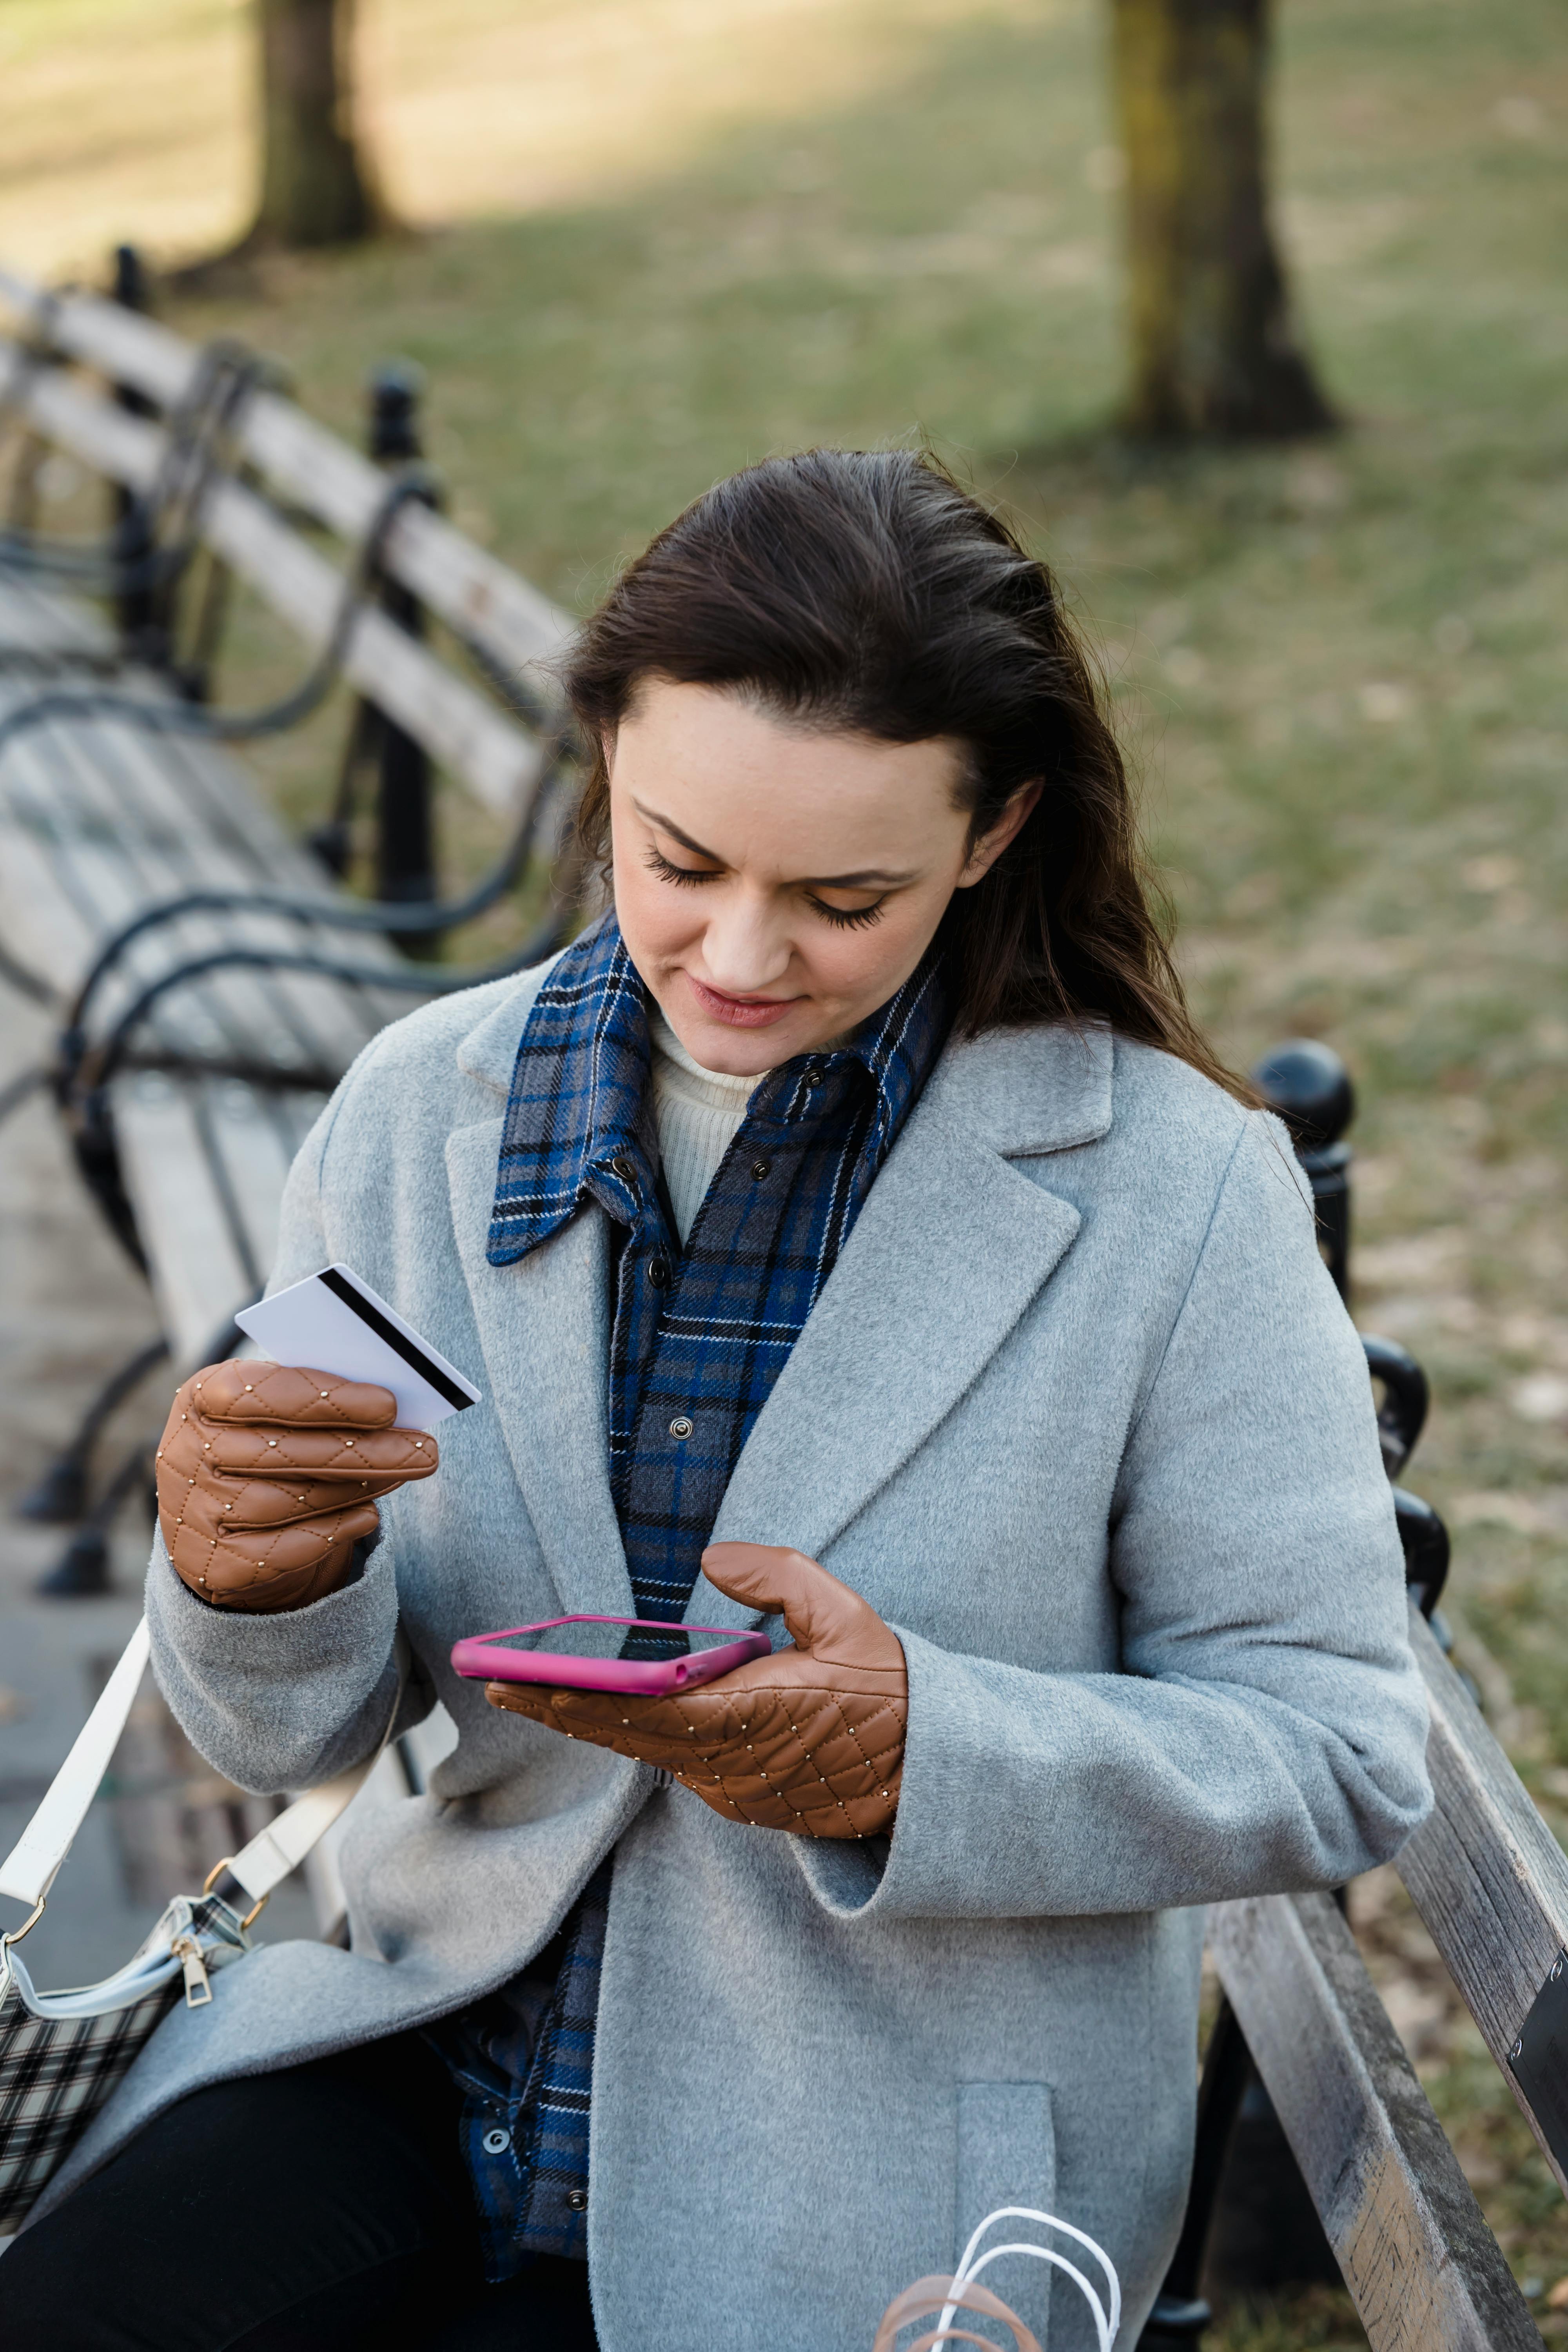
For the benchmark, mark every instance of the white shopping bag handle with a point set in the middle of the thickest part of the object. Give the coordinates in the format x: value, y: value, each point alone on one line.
x: 1106, y: 2321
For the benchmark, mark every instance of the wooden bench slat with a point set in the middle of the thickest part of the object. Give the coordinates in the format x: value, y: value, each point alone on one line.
x: 1485, y: 1872
x: 1425, y: 2270
x: 103, y: 819
x: 45, y: 626
x: 500, y: 764
x: 514, y: 622
x: 190, y: 1245
x: 23, y: 628
x: 471, y: 591
x: 244, y: 845
x: 186, y: 1021
x: 208, y: 784
x: 216, y: 784
x: 253, y: 1159
x: 127, y: 831
x: 330, y: 1019
x: 45, y: 927
x: 205, y: 1165
x: 77, y: 887
x: 100, y: 864
x: 200, y: 784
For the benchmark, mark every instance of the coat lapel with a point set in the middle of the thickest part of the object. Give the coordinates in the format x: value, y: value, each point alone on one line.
x: 950, y: 1248
x: 543, y: 1327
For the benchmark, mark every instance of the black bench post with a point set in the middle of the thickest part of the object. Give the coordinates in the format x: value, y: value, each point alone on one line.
x: 406, y: 849
x: 138, y: 607
x: 1309, y: 1086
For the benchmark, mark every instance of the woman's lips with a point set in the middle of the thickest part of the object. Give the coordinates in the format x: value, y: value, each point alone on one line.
x: 741, y: 1012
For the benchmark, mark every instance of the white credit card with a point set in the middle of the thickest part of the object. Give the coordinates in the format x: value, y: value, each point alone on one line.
x: 333, y: 1322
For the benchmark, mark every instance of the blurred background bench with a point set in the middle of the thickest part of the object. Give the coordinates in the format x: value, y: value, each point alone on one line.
x: 211, y: 977
x: 212, y: 983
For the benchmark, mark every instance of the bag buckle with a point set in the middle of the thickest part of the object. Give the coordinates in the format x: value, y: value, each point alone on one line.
x: 209, y: 1883
x: 16, y: 1934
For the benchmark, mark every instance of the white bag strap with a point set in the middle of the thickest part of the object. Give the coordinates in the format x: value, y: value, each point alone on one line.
x: 283, y: 1845
x: 29, y: 1869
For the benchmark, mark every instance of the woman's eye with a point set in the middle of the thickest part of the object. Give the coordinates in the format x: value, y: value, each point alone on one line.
x: 668, y: 871
x: 850, y: 918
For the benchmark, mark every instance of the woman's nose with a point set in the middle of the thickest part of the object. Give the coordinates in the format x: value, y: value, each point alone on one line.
x: 746, y: 948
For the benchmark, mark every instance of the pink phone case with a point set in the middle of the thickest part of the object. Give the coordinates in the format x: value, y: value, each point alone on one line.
x: 482, y: 1660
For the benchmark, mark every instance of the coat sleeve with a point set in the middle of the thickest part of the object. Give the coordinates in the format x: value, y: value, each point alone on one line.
x: 288, y: 1700
x: 1267, y: 1730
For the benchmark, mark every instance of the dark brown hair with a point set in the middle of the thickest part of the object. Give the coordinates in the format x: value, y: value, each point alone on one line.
x: 866, y: 591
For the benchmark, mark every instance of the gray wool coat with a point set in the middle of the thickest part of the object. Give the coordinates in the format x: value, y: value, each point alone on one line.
x: 1080, y: 1412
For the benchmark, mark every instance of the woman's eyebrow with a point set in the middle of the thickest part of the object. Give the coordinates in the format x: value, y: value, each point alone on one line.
x: 665, y: 825
x: 873, y: 878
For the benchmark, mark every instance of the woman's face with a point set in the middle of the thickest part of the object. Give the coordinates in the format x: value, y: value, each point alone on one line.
x: 775, y: 885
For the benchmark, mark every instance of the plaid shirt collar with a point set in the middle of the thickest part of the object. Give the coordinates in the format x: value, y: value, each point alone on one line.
x: 579, y: 1085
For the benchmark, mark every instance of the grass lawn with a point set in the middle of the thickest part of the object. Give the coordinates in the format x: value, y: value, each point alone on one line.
x: 1339, y: 667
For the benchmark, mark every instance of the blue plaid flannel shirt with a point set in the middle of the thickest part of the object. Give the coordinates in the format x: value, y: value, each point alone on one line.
x: 698, y: 1339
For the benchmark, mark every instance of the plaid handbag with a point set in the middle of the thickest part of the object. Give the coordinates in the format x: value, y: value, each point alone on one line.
x: 62, y: 2055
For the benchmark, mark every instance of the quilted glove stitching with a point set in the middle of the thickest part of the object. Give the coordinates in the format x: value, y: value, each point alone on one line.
x: 268, y: 1375
x: 894, y: 1745
x: 810, y: 1756
x: 790, y: 1724
x: 783, y: 1789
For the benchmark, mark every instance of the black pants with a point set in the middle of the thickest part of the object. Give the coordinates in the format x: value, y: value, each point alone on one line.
x: 325, y: 2209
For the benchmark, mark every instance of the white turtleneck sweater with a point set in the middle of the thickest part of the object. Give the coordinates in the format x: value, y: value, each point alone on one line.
x: 696, y: 1113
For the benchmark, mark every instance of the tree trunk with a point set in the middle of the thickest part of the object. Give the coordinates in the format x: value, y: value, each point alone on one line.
x: 315, y: 189
x: 1215, y: 346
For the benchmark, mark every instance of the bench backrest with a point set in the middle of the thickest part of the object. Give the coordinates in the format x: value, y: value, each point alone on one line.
x: 1490, y: 1882
x: 516, y: 628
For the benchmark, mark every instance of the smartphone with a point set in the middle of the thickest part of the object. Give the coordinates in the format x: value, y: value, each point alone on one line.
x: 481, y: 1658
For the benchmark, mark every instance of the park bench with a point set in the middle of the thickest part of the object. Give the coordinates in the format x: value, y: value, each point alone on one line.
x: 1300, y: 2011
x: 185, y: 1118
x: 198, y: 1044
x: 210, y: 981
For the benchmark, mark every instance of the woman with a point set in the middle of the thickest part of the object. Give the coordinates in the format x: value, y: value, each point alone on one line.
x: 853, y: 1226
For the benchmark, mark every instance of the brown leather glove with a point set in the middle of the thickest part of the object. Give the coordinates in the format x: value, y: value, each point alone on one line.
x: 810, y: 1739
x: 268, y: 1475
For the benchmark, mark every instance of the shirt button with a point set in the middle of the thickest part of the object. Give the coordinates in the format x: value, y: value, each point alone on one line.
x: 681, y: 1426
x: 577, y: 2201
x: 624, y: 1168
x: 496, y: 2143
x: 658, y: 1273
x: 814, y: 1077
x: 760, y: 1168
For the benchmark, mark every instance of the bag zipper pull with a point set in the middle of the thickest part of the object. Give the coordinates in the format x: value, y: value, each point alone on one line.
x: 198, y: 1986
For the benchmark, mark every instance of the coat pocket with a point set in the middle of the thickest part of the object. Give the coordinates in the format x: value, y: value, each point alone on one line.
x: 1007, y: 2156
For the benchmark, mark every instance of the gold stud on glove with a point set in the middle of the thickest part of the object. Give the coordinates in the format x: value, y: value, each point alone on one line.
x: 268, y: 1476
x: 810, y: 1739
